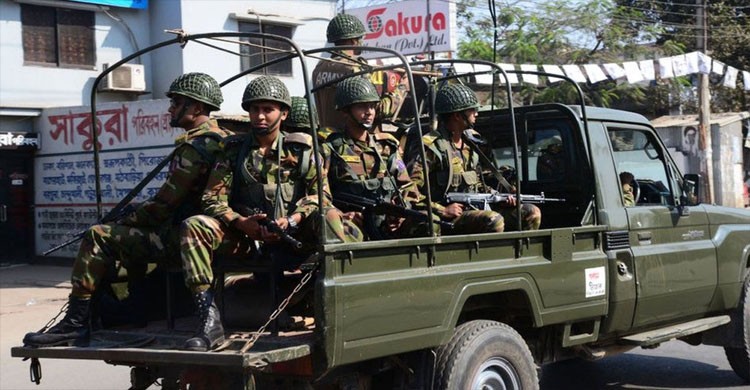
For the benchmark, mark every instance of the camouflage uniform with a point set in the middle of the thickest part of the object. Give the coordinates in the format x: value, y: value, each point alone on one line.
x: 247, y: 179
x: 371, y: 169
x: 368, y: 168
x: 341, y: 27
x: 453, y: 170
x: 150, y: 232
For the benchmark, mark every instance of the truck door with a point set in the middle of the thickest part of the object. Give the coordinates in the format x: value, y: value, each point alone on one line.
x: 674, y: 257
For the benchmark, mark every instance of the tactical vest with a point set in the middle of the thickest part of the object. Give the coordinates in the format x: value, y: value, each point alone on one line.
x: 447, y: 178
x: 383, y: 187
x: 251, y: 190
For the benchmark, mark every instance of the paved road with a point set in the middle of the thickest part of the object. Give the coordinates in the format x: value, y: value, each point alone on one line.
x: 31, y: 295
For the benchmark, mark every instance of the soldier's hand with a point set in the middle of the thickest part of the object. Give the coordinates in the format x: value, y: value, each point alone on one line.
x: 266, y: 235
x: 249, y: 225
x: 453, y: 210
x: 354, y: 216
x: 511, y: 201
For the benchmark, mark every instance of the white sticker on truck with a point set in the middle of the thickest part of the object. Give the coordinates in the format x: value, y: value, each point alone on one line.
x: 596, y: 282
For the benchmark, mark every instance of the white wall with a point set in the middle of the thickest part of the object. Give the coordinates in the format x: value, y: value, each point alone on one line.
x: 201, y: 16
x: 40, y: 86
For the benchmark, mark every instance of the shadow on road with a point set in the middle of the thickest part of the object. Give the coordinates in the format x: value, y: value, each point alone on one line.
x: 634, y: 371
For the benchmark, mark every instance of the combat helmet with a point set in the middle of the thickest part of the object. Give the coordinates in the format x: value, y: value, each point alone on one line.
x: 344, y: 26
x: 198, y: 86
x: 454, y: 98
x: 355, y: 90
x: 299, y: 115
x: 266, y: 88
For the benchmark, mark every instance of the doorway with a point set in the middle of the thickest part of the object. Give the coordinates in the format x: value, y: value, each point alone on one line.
x: 16, y: 210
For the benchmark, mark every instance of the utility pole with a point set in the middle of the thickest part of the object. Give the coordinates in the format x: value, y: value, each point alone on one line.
x: 704, y: 108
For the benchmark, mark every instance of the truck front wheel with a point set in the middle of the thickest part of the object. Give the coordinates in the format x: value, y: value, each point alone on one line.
x: 739, y: 357
x: 485, y: 355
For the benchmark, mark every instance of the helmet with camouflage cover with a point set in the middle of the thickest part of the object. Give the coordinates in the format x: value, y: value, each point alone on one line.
x: 266, y: 88
x: 355, y: 90
x: 198, y: 86
x: 454, y: 98
x: 344, y: 26
x: 299, y: 115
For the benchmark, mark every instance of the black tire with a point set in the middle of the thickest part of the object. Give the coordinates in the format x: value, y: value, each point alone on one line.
x: 485, y: 355
x: 739, y: 357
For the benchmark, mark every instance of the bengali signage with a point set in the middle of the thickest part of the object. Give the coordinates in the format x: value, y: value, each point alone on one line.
x: 15, y: 140
x: 133, y: 138
x: 409, y: 27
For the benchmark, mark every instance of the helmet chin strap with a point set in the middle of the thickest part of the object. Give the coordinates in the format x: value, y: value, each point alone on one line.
x: 366, y: 126
x: 175, y: 122
x: 469, y: 125
x: 267, y: 129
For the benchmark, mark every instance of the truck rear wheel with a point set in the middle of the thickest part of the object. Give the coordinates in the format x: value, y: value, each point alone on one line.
x: 485, y: 355
x: 739, y: 357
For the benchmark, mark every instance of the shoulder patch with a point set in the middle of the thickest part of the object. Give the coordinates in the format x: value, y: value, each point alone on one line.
x: 299, y: 138
x: 429, y: 139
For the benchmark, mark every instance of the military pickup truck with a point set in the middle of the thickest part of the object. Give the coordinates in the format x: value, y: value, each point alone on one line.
x: 485, y: 311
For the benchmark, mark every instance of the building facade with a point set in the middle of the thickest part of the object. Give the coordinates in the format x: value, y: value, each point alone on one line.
x: 50, y: 54
x: 730, y: 145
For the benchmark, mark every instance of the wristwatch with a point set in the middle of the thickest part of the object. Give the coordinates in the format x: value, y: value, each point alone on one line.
x: 290, y: 223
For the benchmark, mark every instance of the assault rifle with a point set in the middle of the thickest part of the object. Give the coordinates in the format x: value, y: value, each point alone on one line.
x: 483, y: 201
x: 380, y: 206
x: 271, y: 225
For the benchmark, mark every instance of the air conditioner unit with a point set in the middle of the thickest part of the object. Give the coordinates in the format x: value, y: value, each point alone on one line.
x: 126, y: 78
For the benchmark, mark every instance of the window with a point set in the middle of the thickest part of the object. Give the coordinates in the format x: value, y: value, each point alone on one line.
x: 546, y: 155
x: 58, y: 36
x: 640, y: 158
x: 263, y: 50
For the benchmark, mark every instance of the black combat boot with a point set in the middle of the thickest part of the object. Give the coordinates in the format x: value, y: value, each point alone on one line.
x: 211, y: 333
x: 72, y: 329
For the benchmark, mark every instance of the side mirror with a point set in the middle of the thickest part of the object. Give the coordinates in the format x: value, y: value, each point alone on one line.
x: 691, y: 189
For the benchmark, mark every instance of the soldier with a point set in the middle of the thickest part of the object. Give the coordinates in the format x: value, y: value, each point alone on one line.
x: 343, y: 30
x: 150, y: 233
x: 298, y: 121
x: 348, y: 30
x: 453, y: 165
x: 266, y: 170
x: 366, y: 164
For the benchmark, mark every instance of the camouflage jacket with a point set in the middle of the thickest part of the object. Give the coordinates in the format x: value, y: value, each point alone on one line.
x: 258, y: 179
x: 179, y: 197
x: 351, y: 162
x: 451, y: 168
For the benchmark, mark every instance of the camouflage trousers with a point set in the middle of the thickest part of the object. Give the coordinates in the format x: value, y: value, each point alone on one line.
x: 202, y: 238
x: 477, y: 221
x: 103, y: 245
x: 531, y: 217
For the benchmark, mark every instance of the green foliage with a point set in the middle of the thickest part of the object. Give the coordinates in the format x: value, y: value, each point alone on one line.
x: 602, y: 31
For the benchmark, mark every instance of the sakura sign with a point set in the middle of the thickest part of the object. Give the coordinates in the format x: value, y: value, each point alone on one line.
x: 409, y: 27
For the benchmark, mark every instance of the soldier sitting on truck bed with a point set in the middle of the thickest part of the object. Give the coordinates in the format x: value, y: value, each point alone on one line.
x: 266, y: 173
x: 453, y: 164
x: 367, y: 165
x: 150, y: 233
